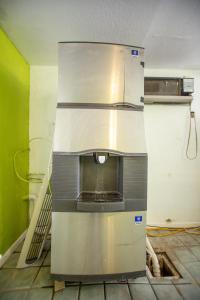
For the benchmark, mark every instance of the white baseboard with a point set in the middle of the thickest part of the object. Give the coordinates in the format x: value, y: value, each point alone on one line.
x: 12, y: 248
x: 175, y: 224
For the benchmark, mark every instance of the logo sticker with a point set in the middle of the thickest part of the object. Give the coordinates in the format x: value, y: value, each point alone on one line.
x: 134, y: 52
x: 138, y: 219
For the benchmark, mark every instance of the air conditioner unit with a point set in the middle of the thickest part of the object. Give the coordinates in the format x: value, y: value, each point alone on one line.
x: 168, y: 90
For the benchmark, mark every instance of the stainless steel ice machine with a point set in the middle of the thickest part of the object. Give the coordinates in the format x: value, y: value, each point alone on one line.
x: 99, y: 178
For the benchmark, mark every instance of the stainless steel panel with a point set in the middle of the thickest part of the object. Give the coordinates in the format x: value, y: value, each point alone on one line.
x: 86, y: 129
x: 97, y: 243
x: 99, y: 73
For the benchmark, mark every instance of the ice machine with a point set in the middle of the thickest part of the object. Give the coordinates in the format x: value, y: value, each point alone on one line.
x: 99, y: 174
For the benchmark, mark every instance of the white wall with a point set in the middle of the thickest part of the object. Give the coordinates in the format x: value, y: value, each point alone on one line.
x: 174, y: 181
x: 43, y: 100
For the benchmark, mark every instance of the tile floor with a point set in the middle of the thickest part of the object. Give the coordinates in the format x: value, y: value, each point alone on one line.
x: 34, y: 283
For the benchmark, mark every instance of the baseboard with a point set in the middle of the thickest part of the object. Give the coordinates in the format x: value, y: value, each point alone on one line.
x: 174, y: 224
x: 12, y: 248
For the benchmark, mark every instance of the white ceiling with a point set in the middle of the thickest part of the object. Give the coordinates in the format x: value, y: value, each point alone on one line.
x: 168, y: 29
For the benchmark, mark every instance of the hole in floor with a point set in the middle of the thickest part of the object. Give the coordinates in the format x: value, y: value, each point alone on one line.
x: 167, y: 268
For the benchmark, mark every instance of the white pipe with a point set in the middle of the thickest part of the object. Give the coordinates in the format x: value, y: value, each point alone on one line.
x: 156, y: 265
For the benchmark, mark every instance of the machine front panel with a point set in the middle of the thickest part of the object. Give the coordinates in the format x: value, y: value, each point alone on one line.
x: 98, y: 243
x: 100, y: 73
x: 85, y: 129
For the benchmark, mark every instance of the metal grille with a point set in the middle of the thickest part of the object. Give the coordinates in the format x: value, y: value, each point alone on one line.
x: 100, y: 197
x: 41, y: 230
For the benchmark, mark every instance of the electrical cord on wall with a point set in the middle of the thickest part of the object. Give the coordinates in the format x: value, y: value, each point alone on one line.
x: 37, y: 179
x: 27, y: 180
x: 192, y: 117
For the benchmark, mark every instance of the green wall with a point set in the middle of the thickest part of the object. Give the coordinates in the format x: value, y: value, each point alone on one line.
x: 14, y: 135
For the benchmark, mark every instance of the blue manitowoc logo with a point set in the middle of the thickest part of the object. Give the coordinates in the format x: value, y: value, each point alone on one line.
x: 135, y: 52
x: 138, y: 219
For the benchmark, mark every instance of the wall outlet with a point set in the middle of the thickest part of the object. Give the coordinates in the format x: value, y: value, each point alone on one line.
x: 168, y: 220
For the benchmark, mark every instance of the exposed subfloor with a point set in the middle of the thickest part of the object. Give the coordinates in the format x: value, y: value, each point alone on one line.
x: 34, y: 283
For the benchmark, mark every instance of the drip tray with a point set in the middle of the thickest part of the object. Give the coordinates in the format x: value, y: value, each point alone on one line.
x: 100, y: 201
x: 100, y: 197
